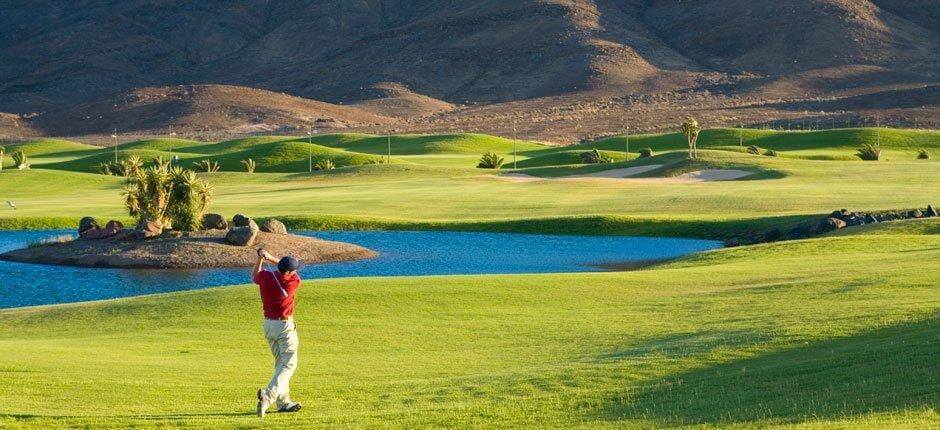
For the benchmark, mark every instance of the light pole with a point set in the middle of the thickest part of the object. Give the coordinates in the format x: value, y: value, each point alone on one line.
x: 114, y: 141
x: 626, y: 133
x: 310, y: 133
x: 388, y: 135
x: 741, y: 137
x: 514, y: 145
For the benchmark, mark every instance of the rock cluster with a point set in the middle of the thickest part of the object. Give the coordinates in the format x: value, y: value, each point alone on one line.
x: 88, y: 228
x: 843, y: 218
x: 243, y: 232
x: 835, y: 221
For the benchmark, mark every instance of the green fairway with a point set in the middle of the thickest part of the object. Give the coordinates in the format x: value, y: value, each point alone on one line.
x: 831, y: 332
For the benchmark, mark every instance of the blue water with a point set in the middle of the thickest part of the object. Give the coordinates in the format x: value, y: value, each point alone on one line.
x: 400, y: 253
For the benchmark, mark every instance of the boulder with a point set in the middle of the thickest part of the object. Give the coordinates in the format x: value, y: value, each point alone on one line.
x: 830, y: 224
x: 853, y: 219
x: 112, y: 228
x: 272, y: 225
x: 87, y: 224
x: 240, y: 220
x: 839, y: 213
x: 148, y: 229
x: 931, y: 212
x: 241, y: 236
x: 916, y: 213
x: 870, y: 219
x: 214, y: 222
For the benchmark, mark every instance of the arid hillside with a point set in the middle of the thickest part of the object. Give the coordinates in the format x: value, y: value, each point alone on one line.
x: 438, y: 64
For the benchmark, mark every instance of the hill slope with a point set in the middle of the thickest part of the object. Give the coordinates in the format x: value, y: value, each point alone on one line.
x: 62, y: 53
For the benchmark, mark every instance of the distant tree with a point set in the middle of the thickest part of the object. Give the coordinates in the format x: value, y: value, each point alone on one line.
x: 691, y: 129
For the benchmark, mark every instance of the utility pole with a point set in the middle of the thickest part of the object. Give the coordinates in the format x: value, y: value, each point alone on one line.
x: 741, y: 137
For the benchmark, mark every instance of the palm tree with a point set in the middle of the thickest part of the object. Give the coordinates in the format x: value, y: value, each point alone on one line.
x: 174, y: 197
x: 690, y: 129
x: 189, y: 199
x: 132, y: 165
x: 147, y: 195
x: 249, y: 165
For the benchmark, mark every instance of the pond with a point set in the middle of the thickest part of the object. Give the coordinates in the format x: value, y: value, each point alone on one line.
x: 402, y: 253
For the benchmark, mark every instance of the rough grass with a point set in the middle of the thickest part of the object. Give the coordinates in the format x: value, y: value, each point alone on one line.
x: 749, y: 337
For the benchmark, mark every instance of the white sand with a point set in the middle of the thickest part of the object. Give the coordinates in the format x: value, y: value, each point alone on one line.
x: 625, y: 173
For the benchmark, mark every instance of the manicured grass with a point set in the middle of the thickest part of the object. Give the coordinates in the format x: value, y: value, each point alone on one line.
x: 833, y: 332
x: 403, y: 193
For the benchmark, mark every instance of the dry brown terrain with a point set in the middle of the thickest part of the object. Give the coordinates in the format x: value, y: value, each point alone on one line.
x: 556, y: 70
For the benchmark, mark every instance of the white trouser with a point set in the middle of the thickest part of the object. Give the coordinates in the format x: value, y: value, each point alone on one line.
x: 282, y: 338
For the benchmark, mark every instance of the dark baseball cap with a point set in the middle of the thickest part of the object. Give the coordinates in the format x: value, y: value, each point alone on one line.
x: 288, y: 264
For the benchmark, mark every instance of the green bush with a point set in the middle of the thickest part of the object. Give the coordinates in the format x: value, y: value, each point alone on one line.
x: 490, y: 160
x: 594, y: 157
x: 923, y: 154
x: 646, y: 153
x: 770, y: 153
x: 869, y: 152
x: 753, y: 150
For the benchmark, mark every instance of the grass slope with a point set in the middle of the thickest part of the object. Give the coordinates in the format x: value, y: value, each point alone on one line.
x: 747, y: 337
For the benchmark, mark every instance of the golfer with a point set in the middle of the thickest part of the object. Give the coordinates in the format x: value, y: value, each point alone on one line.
x: 277, y: 290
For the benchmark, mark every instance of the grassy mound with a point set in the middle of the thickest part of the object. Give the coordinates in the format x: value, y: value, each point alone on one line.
x: 33, y: 148
x: 741, y: 337
x: 91, y: 163
x: 465, y: 143
x: 290, y: 156
x: 162, y: 144
x: 562, y: 158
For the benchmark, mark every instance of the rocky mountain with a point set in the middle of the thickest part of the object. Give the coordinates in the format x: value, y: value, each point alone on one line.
x: 438, y: 59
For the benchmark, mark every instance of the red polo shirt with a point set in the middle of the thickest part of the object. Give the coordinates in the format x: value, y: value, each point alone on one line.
x: 277, y: 293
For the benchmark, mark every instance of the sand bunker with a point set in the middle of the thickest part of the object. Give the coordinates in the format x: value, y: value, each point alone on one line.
x: 200, y: 250
x: 625, y: 174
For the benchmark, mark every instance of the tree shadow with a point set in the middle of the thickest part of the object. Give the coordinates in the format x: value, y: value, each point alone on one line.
x: 884, y: 370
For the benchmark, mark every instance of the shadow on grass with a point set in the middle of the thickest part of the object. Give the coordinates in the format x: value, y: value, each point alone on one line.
x: 889, y: 369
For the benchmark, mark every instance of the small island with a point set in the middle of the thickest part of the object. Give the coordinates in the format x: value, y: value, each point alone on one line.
x: 174, y: 231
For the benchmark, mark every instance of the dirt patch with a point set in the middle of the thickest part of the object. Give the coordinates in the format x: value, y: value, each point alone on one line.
x: 199, y: 250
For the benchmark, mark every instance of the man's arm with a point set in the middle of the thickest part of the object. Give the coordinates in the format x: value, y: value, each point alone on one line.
x: 263, y: 256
